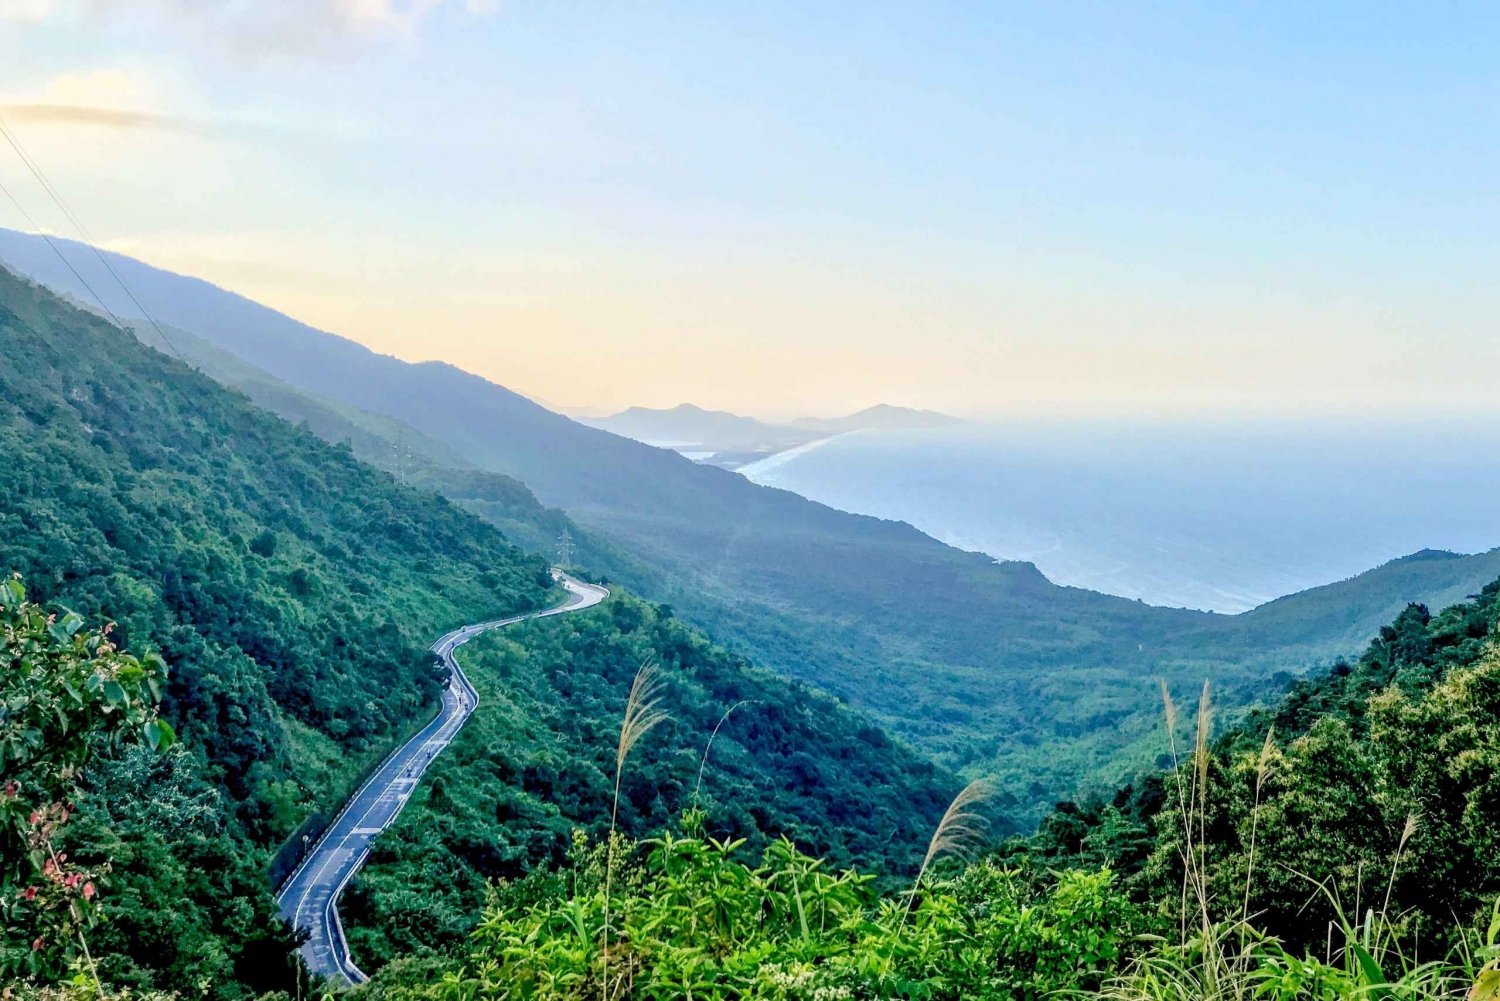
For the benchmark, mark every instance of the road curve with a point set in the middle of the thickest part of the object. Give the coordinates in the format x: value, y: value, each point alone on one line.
x: 309, y: 897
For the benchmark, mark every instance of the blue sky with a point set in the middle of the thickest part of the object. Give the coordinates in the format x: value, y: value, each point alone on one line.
x: 784, y: 208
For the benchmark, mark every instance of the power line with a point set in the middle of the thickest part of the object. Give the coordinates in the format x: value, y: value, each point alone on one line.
x: 58, y: 200
x: 66, y: 263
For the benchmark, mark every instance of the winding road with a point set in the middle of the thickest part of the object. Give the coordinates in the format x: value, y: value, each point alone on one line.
x: 309, y: 897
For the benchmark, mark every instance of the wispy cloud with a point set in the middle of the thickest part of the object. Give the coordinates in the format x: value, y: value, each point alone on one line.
x: 110, y: 98
x: 84, y: 115
x: 264, y: 27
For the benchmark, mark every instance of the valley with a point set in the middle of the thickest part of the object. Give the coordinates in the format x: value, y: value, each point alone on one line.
x: 986, y: 666
x: 748, y: 502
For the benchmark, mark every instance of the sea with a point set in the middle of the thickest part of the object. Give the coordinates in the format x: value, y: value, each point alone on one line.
x: 1214, y: 515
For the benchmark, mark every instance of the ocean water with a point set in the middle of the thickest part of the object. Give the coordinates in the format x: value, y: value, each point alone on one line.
x: 1218, y: 516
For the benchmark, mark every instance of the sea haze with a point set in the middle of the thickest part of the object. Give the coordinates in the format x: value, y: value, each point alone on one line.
x: 1216, y: 516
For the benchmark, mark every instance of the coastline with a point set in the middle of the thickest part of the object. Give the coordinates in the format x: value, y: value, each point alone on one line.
x: 751, y: 469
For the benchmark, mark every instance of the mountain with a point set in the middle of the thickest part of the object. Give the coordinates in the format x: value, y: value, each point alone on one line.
x: 881, y: 417
x: 715, y: 436
x: 691, y: 425
x: 292, y: 591
x: 987, y: 665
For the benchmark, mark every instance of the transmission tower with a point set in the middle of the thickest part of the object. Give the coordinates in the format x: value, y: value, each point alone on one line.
x: 565, y: 548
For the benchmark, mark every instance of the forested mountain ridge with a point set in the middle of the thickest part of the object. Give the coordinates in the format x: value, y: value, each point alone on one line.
x: 413, y: 458
x: 1382, y: 772
x: 989, y: 666
x: 292, y: 590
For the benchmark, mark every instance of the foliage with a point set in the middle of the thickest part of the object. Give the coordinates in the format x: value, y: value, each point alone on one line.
x: 1371, y: 788
x: 66, y: 694
x: 1271, y: 868
x: 292, y: 590
x: 694, y: 921
x: 539, y: 758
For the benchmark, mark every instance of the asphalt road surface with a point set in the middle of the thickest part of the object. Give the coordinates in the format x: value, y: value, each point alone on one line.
x: 309, y: 898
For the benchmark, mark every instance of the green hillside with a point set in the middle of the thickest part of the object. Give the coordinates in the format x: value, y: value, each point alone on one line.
x: 990, y: 667
x: 537, y: 762
x: 291, y: 592
x: 1338, y: 845
x: 412, y: 457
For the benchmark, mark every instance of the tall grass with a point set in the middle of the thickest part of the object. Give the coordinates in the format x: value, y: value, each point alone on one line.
x: 959, y: 832
x: 643, y: 713
x: 1227, y: 959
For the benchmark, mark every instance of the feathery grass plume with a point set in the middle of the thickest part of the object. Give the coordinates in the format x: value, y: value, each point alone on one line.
x: 703, y: 762
x: 642, y: 715
x: 1413, y: 819
x: 1169, y: 710
x: 1262, y: 766
x: 1205, y: 726
x: 960, y: 830
x: 1200, y: 799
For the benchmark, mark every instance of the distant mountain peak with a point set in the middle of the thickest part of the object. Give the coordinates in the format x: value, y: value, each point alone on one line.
x: 881, y: 416
x: 1424, y: 555
x: 681, y: 410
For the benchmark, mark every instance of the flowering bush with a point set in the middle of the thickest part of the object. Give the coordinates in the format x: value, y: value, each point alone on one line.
x: 66, y: 694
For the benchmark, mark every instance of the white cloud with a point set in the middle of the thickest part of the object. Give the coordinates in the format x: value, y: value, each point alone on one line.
x: 123, y: 89
x: 26, y: 11
x: 286, y: 25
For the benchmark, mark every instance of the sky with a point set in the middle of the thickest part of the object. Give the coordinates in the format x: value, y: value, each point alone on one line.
x: 790, y: 208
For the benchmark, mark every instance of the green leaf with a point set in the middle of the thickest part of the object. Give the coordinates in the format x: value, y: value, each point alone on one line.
x: 159, y: 735
x: 114, y: 694
x: 1369, y: 969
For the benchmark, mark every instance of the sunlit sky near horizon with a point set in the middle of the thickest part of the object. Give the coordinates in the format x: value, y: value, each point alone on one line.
x: 789, y: 208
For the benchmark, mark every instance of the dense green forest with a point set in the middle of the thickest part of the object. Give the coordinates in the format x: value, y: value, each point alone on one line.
x: 1339, y: 844
x: 988, y: 667
x: 536, y: 764
x: 290, y: 591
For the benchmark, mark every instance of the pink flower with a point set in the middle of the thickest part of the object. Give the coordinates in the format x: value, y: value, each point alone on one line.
x: 36, y: 944
x: 30, y: 893
x: 88, y: 891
